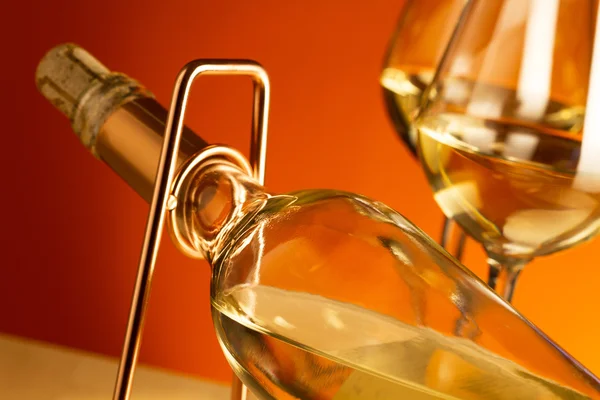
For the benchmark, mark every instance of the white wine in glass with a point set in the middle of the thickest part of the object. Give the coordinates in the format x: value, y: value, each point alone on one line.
x: 501, y: 133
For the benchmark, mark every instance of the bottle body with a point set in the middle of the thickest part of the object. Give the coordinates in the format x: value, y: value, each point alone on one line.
x: 327, y: 295
x: 322, y: 294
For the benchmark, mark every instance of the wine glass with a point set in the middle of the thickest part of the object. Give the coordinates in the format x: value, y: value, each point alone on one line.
x: 500, y: 132
x: 421, y: 35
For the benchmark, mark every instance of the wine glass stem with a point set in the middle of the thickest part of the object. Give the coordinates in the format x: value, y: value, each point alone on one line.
x: 238, y: 390
x: 448, y: 228
x: 503, y: 276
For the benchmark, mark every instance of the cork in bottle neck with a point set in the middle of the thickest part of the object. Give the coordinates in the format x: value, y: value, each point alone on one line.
x: 84, y: 90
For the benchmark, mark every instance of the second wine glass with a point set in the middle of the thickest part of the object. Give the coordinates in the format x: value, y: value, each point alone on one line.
x: 500, y: 135
x: 421, y: 35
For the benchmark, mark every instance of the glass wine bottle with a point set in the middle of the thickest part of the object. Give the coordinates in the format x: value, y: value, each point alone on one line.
x: 318, y: 294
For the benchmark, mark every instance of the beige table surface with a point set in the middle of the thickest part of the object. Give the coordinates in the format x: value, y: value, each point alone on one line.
x: 31, y: 370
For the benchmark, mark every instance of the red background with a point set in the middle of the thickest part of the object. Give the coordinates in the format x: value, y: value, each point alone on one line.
x: 72, y: 230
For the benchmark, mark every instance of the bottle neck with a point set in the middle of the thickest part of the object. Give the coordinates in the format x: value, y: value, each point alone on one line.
x: 130, y: 142
x: 117, y: 119
x: 126, y: 131
x: 122, y: 124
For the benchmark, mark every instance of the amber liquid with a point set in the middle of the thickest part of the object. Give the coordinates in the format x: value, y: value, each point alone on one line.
x: 289, y: 345
x: 513, y: 188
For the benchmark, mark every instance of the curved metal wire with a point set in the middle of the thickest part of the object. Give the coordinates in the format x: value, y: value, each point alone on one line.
x: 162, y: 198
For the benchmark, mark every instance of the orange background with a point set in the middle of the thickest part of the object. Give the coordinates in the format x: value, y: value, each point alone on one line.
x: 72, y: 230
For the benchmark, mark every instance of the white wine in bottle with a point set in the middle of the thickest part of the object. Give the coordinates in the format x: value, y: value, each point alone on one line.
x: 340, y: 351
x: 320, y: 294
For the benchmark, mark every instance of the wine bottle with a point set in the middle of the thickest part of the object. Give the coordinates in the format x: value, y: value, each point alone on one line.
x: 319, y: 294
